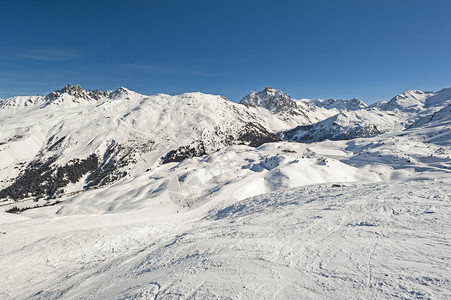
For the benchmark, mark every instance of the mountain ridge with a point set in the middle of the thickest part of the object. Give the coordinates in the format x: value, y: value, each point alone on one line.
x: 129, y: 133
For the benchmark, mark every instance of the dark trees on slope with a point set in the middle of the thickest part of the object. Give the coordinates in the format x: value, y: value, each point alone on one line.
x: 45, y: 179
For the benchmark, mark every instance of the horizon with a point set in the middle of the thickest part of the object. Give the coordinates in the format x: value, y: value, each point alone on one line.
x: 371, y: 50
x: 233, y: 100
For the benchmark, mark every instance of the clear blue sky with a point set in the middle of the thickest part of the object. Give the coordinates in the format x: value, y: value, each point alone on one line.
x: 367, y: 49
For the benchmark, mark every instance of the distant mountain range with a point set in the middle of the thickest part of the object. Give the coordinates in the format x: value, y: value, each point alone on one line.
x: 87, y: 139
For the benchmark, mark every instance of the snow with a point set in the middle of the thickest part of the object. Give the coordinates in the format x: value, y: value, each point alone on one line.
x: 366, y: 218
x: 358, y: 120
x: 142, y: 124
x: 360, y: 241
x: 341, y: 105
x: 244, y: 170
x: 279, y: 111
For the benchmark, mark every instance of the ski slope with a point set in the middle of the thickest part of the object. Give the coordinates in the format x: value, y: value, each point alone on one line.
x: 359, y: 241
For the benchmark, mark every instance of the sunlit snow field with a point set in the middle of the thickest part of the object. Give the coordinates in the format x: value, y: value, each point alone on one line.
x: 367, y: 218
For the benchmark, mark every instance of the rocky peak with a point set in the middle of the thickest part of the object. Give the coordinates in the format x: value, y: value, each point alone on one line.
x: 77, y: 92
x: 72, y: 90
x: 271, y: 99
x: 96, y: 94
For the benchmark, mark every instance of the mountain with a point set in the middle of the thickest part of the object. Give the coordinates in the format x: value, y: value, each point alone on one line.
x: 73, y: 139
x: 271, y: 99
x: 409, y: 101
x: 280, y: 111
x: 68, y: 96
x: 21, y: 101
x: 437, y: 126
x: 112, y: 134
x: 395, y: 115
x: 440, y: 98
x: 345, y: 125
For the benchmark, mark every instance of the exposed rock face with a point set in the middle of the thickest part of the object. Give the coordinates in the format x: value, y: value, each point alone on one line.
x: 254, y: 135
x: 251, y: 134
x: 312, y: 133
x: 274, y: 104
x: 77, y: 92
x: 196, y: 149
x: 274, y: 100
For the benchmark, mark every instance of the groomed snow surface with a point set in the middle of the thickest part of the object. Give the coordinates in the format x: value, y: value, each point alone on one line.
x: 361, y: 241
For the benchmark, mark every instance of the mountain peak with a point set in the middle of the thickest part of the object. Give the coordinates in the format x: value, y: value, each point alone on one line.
x: 269, y: 89
x: 72, y: 90
x: 75, y: 91
x: 120, y: 92
x: 271, y: 99
x: 410, y: 100
x: 78, y: 93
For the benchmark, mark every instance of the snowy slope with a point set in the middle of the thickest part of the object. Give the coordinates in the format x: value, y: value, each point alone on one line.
x: 233, y: 173
x: 412, y: 100
x: 19, y: 102
x: 128, y: 132
x: 442, y: 114
x: 393, y: 116
x: 237, y: 172
x: 340, y: 105
x: 363, y: 241
x: 344, y: 126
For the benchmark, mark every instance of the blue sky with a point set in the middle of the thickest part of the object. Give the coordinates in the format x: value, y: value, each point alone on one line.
x: 367, y: 49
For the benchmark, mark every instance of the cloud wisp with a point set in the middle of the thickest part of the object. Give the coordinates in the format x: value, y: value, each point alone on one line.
x: 171, y: 70
x: 50, y: 54
x: 43, y: 54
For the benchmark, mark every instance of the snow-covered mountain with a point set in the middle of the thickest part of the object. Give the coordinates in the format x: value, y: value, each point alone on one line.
x: 395, y: 115
x: 409, y: 101
x: 122, y: 132
x: 343, y: 126
x: 69, y: 96
x: 340, y: 104
x: 73, y: 137
x: 271, y: 99
x: 280, y: 111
